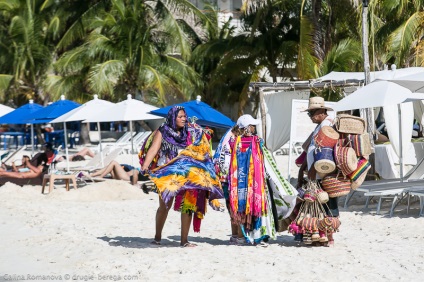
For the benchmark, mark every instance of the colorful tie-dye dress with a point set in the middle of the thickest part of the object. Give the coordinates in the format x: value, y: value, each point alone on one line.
x: 190, y: 178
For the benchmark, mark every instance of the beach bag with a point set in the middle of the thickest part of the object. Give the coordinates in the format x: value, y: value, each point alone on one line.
x: 329, y: 224
x: 361, y: 143
x: 336, y: 186
x: 324, y: 160
x: 310, y: 223
x: 322, y: 196
x: 345, y: 158
x: 350, y: 124
x: 326, y: 137
x: 358, y: 176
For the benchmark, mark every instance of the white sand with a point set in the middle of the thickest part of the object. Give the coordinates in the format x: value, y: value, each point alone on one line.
x: 105, y: 229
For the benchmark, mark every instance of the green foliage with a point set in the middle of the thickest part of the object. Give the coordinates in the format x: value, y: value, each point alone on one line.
x: 168, y: 48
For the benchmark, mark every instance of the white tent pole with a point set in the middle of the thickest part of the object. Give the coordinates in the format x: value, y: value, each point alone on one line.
x: 100, y: 144
x: 66, y: 146
x: 32, y: 139
x: 290, y: 157
x: 400, y: 143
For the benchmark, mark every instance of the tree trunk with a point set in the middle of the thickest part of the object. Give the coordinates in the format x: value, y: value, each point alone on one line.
x: 85, y: 133
x: 367, y: 113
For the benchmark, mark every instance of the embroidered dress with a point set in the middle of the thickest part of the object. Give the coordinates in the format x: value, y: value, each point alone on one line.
x: 250, y: 202
x: 190, y: 178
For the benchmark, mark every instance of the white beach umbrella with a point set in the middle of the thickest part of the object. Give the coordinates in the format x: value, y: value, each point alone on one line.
x: 83, y: 112
x: 5, y: 110
x: 128, y: 110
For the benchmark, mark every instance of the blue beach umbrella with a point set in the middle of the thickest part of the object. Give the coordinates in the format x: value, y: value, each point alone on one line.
x: 52, y: 111
x: 20, y: 115
x: 205, y: 114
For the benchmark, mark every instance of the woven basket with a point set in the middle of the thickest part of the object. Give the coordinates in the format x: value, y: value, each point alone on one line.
x: 361, y: 144
x: 322, y: 196
x: 336, y: 186
x: 310, y: 223
x: 309, y: 196
x: 350, y: 124
x: 326, y: 137
x: 324, y: 160
x: 345, y: 158
x: 329, y: 223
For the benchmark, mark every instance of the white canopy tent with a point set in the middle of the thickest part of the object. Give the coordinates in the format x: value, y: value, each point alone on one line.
x: 278, y: 109
x: 392, y: 97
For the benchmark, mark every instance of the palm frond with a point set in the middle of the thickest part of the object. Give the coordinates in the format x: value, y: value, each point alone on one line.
x: 5, y: 80
x: 103, y: 77
x: 306, y: 63
x: 401, y: 40
x: 342, y: 57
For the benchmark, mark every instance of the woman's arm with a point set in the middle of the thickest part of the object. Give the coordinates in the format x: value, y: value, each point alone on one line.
x: 34, y: 169
x: 153, y: 150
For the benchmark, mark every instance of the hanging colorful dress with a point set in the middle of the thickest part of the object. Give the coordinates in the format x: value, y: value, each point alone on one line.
x: 190, y: 177
x: 250, y: 201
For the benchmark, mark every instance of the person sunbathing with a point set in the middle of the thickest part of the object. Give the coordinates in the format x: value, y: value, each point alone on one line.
x: 80, y: 156
x: 33, y: 170
x: 14, y: 167
x: 120, y: 172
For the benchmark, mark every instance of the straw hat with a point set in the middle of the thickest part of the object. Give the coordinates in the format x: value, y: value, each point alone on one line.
x: 316, y: 103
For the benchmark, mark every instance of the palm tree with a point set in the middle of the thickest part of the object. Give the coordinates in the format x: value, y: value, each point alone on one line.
x: 30, y: 32
x: 396, y: 32
x: 134, y: 47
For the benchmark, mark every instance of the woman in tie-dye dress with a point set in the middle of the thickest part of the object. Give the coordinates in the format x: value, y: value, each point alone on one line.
x: 178, y: 159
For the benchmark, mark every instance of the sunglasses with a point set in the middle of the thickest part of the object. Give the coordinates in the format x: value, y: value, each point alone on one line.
x: 312, y: 113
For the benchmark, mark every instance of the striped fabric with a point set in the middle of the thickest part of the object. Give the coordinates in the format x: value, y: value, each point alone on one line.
x: 363, y: 165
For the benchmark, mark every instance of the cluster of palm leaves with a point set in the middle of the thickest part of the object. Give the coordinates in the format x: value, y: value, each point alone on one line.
x: 163, y: 49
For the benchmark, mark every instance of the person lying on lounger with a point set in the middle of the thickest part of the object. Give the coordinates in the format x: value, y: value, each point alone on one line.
x: 120, y: 172
x: 14, y: 167
x: 80, y: 156
x: 35, y: 168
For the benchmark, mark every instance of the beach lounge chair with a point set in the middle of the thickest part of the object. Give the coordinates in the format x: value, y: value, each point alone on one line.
x: 415, y: 174
x: 123, y: 140
x: 399, y: 193
x: 137, y: 141
x: 109, y: 154
x: 10, y: 156
x: 420, y: 195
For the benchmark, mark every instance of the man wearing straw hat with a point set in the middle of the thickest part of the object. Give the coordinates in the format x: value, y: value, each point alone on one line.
x: 317, y: 111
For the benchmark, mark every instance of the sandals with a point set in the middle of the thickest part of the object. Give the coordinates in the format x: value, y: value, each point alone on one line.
x: 156, y: 243
x: 189, y: 245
